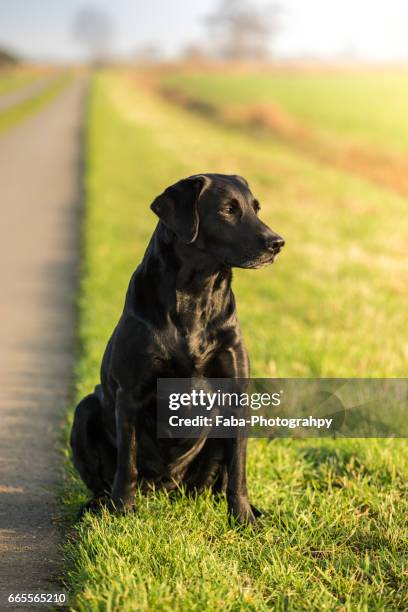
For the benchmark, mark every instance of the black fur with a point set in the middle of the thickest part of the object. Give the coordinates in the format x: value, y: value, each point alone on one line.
x: 179, y: 320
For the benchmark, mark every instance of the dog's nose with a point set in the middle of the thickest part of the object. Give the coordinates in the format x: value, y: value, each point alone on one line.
x: 275, y: 243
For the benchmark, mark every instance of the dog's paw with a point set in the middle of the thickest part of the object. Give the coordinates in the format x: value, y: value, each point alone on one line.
x: 257, y: 513
x: 93, y: 505
x: 243, y: 514
x: 120, y: 506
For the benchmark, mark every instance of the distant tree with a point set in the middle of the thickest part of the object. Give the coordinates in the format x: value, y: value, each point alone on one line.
x: 194, y: 52
x: 8, y: 57
x: 242, y: 30
x: 93, y: 29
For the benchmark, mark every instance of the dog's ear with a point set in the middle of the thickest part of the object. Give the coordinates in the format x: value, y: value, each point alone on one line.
x: 241, y: 179
x: 177, y: 207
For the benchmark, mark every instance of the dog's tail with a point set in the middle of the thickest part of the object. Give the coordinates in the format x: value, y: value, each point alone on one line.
x: 87, y: 417
x: 88, y: 442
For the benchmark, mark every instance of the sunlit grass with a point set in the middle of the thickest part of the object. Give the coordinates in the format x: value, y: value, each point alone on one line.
x: 14, y: 114
x: 366, y: 107
x: 334, y: 531
x: 14, y: 78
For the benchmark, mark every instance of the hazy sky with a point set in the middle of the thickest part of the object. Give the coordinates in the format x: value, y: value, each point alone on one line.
x: 369, y: 29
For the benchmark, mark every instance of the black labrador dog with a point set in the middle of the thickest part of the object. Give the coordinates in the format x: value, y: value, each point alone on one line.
x: 179, y: 321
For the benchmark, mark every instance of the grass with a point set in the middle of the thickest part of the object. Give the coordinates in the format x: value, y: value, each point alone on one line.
x: 14, y: 78
x: 364, y: 106
x: 16, y: 113
x: 334, y: 533
x: 353, y: 121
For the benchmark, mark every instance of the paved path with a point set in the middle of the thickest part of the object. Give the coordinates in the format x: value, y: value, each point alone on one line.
x: 25, y: 92
x: 40, y: 192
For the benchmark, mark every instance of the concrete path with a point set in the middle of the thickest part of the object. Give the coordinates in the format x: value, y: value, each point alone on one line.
x: 25, y: 92
x: 40, y: 193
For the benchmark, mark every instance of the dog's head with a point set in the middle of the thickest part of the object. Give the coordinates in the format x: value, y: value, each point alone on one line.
x: 218, y: 214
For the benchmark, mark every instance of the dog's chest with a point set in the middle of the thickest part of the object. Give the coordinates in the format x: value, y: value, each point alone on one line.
x: 196, y: 348
x: 197, y: 329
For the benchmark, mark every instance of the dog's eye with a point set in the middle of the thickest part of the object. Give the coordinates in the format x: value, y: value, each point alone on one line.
x: 231, y: 208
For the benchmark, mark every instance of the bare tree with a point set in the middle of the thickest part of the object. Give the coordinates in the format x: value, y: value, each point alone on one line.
x: 242, y: 30
x: 93, y: 29
x: 194, y: 52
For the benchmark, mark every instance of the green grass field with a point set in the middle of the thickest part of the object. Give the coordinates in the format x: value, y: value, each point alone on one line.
x: 14, y: 78
x: 14, y: 114
x: 334, y: 534
x: 365, y: 107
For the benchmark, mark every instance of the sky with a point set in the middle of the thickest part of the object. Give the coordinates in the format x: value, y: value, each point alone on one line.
x: 42, y: 30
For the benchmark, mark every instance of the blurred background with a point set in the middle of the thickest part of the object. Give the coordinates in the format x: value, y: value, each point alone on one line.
x: 308, y: 100
x: 75, y: 30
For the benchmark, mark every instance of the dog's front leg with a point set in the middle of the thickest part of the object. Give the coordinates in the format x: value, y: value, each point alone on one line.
x: 237, y: 494
x: 123, y: 492
x: 234, y: 364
